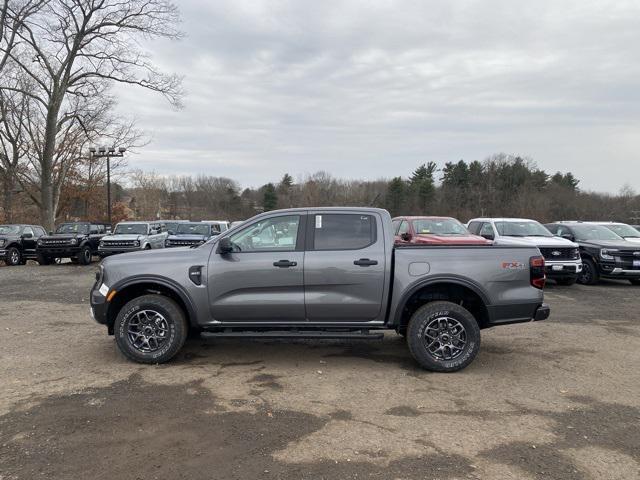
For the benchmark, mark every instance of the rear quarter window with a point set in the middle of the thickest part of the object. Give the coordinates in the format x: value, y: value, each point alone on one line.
x: 343, y: 231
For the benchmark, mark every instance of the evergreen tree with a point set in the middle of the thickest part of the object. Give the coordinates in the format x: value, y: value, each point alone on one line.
x: 269, y: 197
x: 396, y: 197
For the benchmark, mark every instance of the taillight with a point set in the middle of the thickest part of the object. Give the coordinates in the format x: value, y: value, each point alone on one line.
x: 536, y: 271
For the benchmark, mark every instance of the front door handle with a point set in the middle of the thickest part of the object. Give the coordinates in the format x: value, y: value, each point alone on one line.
x: 365, y: 262
x: 284, y: 264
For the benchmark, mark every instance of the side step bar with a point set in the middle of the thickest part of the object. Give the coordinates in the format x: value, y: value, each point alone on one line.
x: 354, y: 334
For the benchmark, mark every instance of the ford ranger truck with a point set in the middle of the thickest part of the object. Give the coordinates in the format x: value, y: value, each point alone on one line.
x: 562, y: 256
x: 319, y: 273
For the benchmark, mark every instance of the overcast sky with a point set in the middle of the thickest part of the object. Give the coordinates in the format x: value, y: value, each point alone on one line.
x: 373, y: 88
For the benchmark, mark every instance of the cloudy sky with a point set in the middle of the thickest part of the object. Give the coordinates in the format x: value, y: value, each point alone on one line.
x: 373, y: 88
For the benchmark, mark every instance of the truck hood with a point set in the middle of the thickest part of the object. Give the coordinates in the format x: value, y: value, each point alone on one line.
x: 9, y: 238
x: 431, y: 239
x: 538, y: 241
x: 61, y: 236
x: 121, y: 238
x: 617, y: 244
x: 635, y: 240
x: 188, y: 237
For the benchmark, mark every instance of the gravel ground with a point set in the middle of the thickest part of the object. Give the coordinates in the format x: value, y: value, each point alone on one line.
x: 558, y: 399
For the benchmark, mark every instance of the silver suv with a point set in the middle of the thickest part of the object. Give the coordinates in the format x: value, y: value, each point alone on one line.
x: 561, y: 256
x: 133, y: 236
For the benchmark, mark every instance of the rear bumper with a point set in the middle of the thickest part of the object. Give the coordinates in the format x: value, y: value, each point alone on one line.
x: 517, y: 313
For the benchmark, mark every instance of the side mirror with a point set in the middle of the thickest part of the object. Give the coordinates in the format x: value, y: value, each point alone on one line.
x: 406, y: 236
x: 488, y: 236
x: 568, y: 236
x: 50, y: 232
x: 171, y: 232
x: 27, y: 235
x: 225, y: 246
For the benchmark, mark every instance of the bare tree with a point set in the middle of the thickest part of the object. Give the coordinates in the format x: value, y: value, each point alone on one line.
x: 66, y: 56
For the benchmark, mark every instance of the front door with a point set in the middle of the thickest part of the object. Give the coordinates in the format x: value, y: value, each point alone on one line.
x: 344, y: 267
x: 262, y: 279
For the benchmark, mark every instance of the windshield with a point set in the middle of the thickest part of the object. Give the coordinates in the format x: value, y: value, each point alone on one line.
x: 73, y: 228
x: 193, y: 229
x: 10, y: 229
x: 624, y: 230
x: 440, y: 226
x: 131, y: 229
x: 522, y: 229
x: 594, y: 232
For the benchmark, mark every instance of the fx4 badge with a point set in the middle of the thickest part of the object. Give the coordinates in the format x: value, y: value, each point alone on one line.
x: 512, y: 266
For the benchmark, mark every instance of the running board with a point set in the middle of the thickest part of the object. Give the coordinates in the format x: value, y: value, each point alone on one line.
x: 357, y: 334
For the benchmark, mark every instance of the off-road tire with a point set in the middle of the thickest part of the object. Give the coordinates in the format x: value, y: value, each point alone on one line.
x: 43, y: 259
x: 417, y: 342
x: 84, y: 255
x: 589, y: 274
x: 14, y: 257
x: 566, y: 281
x: 178, y: 328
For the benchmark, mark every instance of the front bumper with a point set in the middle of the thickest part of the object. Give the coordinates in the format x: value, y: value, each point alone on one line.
x: 3, y: 253
x: 99, y: 307
x: 62, y: 251
x: 560, y: 268
x: 106, y: 251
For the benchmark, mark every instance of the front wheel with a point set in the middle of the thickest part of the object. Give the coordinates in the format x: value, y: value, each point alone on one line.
x: 443, y: 337
x: 14, y: 257
x: 589, y: 274
x: 84, y: 256
x: 150, y: 329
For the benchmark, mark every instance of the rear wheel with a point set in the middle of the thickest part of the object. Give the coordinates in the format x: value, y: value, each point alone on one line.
x: 150, y: 329
x: 566, y: 281
x: 14, y: 257
x: 84, y: 256
x: 443, y: 337
x: 589, y: 274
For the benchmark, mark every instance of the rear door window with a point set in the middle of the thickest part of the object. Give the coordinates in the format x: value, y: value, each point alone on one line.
x: 343, y: 231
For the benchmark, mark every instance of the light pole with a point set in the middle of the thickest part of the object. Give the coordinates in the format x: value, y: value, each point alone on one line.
x: 103, y: 152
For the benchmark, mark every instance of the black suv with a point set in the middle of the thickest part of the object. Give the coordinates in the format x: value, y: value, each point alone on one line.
x: 18, y: 243
x: 75, y: 240
x: 604, y: 253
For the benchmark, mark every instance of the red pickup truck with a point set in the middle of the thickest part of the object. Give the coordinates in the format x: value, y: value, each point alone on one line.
x: 434, y: 231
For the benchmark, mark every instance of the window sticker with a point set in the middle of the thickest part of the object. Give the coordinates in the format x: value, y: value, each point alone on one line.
x: 318, y: 221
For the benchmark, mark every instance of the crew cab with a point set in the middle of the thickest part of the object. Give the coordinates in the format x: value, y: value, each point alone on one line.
x: 319, y: 273
x: 18, y: 243
x: 605, y: 254
x: 75, y: 240
x: 190, y: 234
x: 562, y: 257
x: 132, y: 236
x: 434, y: 231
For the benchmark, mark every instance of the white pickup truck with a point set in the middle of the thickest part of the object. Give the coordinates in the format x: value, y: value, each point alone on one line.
x: 562, y: 257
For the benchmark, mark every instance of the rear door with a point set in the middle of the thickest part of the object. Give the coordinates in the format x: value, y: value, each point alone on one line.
x: 344, y: 267
x: 262, y: 280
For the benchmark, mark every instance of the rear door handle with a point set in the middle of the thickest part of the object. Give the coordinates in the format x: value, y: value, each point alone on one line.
x: 365, y: 262
x: 284, y: 264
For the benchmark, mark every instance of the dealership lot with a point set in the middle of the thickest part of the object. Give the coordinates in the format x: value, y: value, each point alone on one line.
x: 554, y: 399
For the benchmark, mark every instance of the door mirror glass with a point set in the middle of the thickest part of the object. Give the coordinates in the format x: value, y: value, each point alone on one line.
x: 27, y: 235
x: 406, y: 236
x: 225, y: 246
x: 568, y: 236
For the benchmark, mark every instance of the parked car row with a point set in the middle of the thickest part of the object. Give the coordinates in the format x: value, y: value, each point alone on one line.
x: 572, y: 250
x: 81, y: 241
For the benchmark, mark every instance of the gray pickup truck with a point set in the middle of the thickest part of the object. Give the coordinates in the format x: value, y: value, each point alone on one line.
x: 318, y: 273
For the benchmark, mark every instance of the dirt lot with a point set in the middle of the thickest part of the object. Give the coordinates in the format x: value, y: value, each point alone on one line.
x: 558, y: 399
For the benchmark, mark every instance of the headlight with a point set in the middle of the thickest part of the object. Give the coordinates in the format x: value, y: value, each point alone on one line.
x: 576, y: 253
x: 73, y: 241
x: 1, y: 242
x: 136, y: 243
x: 167, y: 243
x: 607, y: 253
x: 40, y: 242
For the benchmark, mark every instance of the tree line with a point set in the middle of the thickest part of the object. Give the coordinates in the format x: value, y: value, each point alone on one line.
x: 500, y: 185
